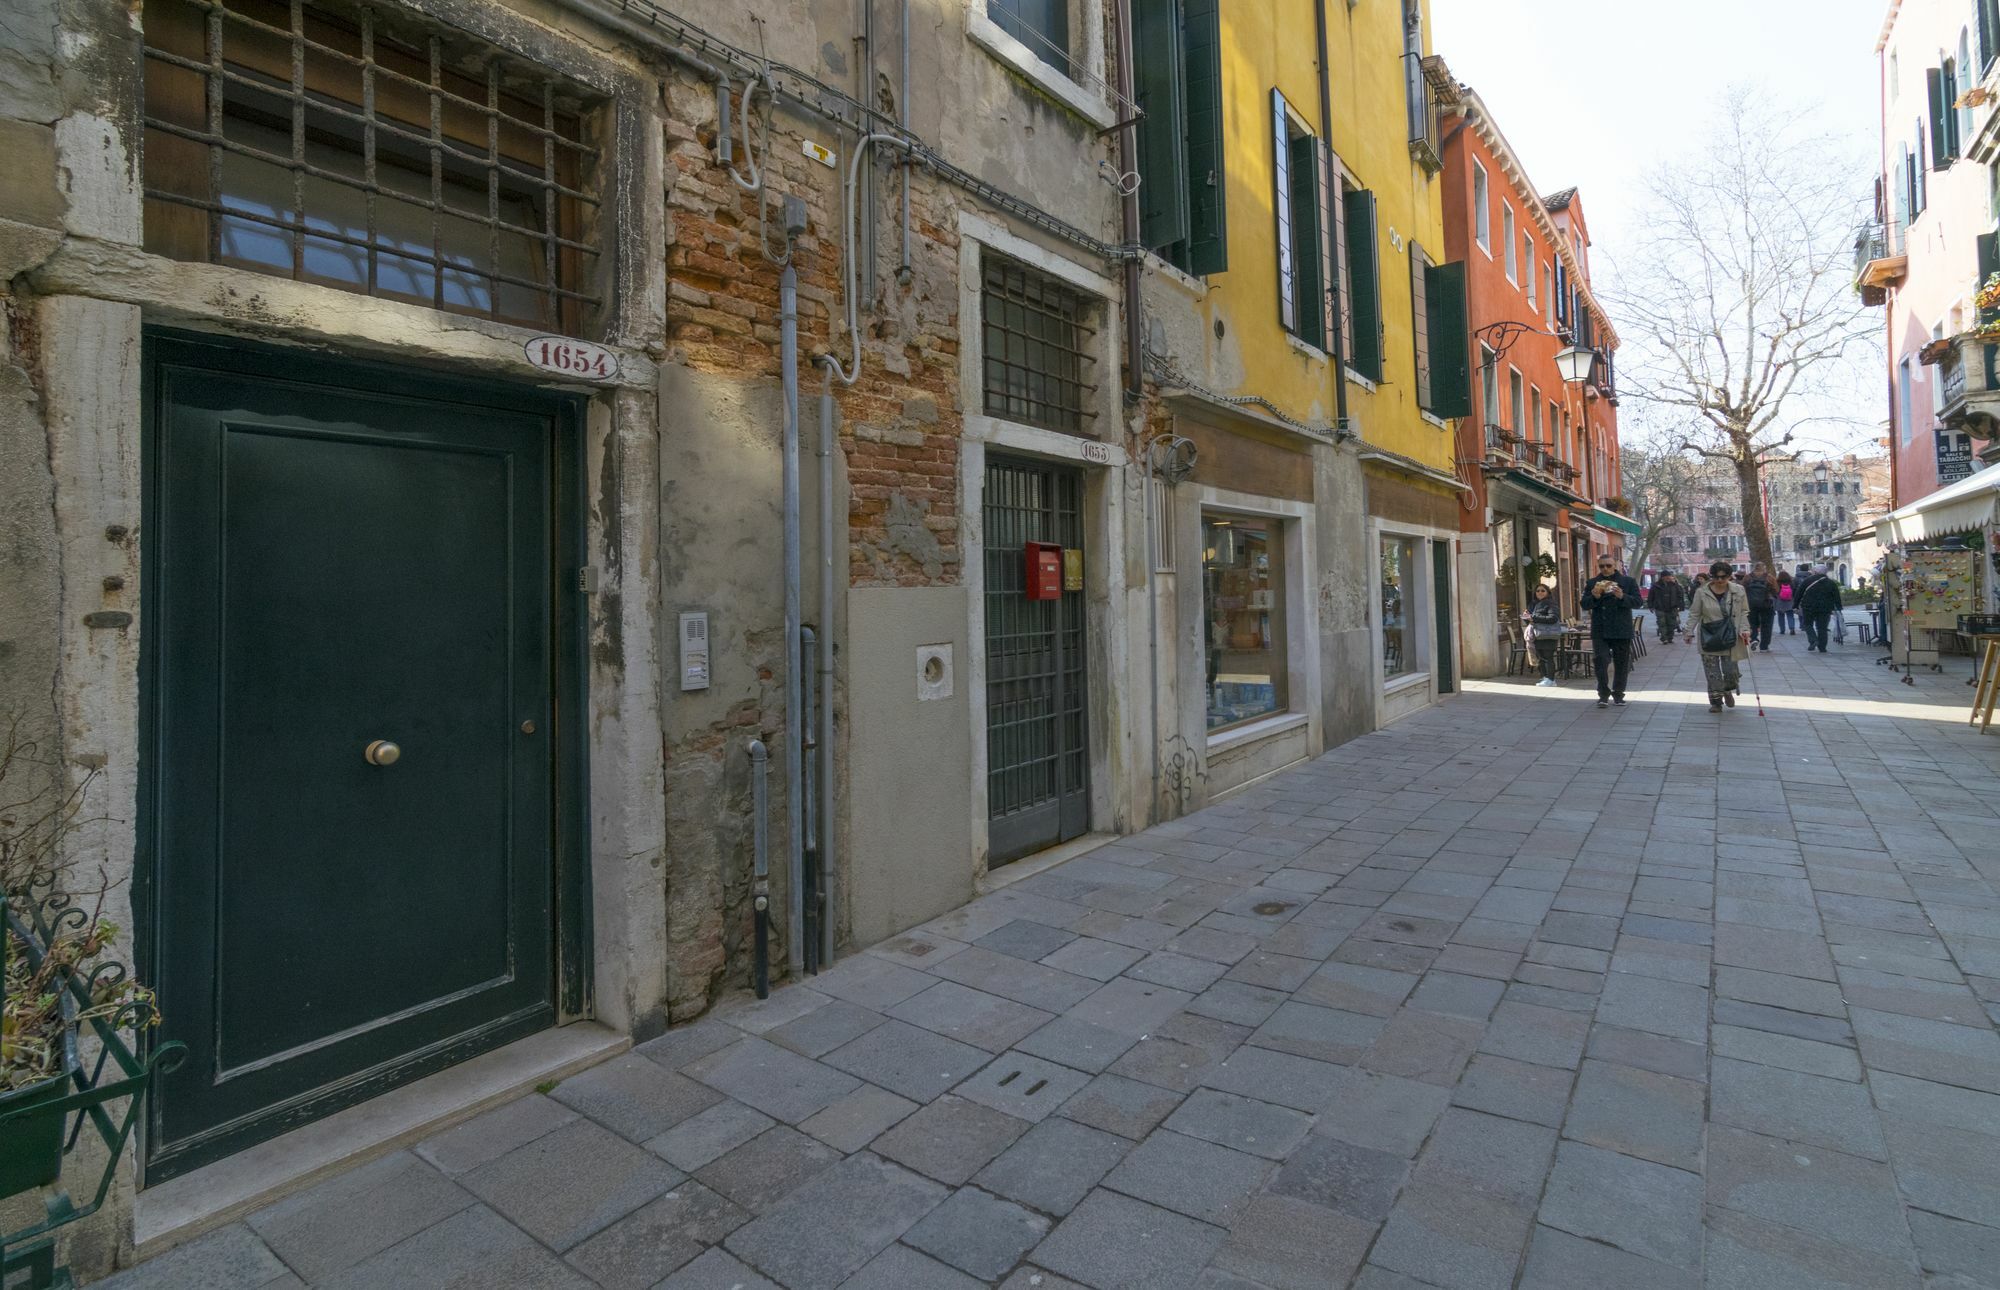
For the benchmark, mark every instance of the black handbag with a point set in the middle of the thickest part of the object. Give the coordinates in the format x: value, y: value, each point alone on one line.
x: 1719, y: 637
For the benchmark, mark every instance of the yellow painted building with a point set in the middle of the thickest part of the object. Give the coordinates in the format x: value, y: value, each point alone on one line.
x: 1321, y: 510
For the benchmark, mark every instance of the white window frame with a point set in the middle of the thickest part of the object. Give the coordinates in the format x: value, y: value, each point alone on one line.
x: 1295, y: 520
x: 1535, y: 402
x: 1937, y: 386
x: 1105, y: 492
x: 1529, y: 260
x: 1089, y: 98
x: 1482, y: 210
x: 1517, y: 390
x: 1419, y: 663
x: 1513, y: 246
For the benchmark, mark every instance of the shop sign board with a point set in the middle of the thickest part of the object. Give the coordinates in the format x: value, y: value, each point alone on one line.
x: 1954, y: 456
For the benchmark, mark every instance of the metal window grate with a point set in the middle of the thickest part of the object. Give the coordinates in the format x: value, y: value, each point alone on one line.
x: 320, y: 145
x: 1037, y: 760
x: 1036, y: 363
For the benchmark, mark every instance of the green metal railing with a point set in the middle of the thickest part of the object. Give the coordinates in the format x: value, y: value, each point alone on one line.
x: 107, y: 1096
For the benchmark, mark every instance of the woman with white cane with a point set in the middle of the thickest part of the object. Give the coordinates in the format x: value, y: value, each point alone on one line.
x: 1722, y: 630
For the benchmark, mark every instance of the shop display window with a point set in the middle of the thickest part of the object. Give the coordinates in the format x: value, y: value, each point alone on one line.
x: 1243, y: 603
x: 1399, y: 607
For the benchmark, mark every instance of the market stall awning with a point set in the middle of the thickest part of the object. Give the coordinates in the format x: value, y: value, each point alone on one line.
x: 1615, y: 522
x: 1960, y: 508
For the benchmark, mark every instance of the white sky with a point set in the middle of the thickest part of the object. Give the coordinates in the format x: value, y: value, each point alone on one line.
x: 1594, y: 94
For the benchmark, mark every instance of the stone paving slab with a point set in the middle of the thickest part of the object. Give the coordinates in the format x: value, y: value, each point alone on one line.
x: 1513, y: 993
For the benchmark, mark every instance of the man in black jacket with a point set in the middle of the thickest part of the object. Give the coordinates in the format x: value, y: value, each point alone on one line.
x: 1667, y: 600
x: 1609, y: 598
x: 1763, y: 593
x: 1819, y: 601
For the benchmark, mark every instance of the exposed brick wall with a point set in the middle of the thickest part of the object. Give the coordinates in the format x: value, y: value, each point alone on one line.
x: 900, y: 428
x: 900, y: 423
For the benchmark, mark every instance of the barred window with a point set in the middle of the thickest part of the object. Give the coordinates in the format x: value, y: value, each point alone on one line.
x: 1036, y: 333
x: 327, y: 146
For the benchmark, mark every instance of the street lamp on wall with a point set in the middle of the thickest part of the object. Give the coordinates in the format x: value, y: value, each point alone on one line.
x: 1574, y: 363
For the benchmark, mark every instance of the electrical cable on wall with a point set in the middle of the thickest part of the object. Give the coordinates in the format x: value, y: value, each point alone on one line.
x: 1165, y: 368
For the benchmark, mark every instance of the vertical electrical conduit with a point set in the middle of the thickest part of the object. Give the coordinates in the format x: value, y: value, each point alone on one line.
x: 760, y: 888
x: 833, y: 370
x: 903, y: 120
x: 788, y: 346
x: 814, y: 870
x: 829, y: 911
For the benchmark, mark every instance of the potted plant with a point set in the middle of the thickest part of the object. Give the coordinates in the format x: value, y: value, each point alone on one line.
x: 1988, y: 294
x: 55, y: 966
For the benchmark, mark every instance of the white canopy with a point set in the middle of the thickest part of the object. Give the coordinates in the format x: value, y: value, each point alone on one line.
x: 1962, y: 507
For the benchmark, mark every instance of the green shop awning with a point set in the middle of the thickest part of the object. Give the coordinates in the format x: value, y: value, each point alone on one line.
x: 1614, y: 521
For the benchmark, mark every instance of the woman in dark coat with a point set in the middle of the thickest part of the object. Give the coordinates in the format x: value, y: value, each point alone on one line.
x: 1545, y: 631
x: 1722, y: 600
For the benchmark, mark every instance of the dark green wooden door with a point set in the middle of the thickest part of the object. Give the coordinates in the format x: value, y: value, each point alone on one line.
x: 336, y: 562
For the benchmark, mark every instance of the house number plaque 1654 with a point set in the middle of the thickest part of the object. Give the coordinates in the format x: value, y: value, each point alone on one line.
x: 577, y: 359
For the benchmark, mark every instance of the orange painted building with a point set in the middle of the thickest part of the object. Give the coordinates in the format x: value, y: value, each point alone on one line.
x: 1539, y: 453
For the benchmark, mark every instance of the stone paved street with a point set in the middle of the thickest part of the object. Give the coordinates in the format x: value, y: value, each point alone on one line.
x: 1516, y: 992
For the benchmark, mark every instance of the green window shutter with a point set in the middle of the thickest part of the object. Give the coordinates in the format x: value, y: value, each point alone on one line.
x: 1420, y: 321
x: 1157, y: 66
x: 1281, y: 204
x: 1920, y: 167
x: 1364, y: 272
x: 1329, y: 254
x: 1451, y: 361
x: 1940, y: 102
x: 1208, y: 225
x: 1306, y: 239
x: 1902, y: 195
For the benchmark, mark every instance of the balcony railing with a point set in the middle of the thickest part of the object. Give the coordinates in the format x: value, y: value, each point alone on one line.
x: 1880, y: 258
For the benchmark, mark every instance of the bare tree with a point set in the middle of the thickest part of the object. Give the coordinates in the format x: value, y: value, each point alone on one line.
x: 1661, y: 482
x: 1736, y: 302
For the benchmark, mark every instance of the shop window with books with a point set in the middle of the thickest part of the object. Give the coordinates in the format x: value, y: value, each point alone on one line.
x: 1243, y: 599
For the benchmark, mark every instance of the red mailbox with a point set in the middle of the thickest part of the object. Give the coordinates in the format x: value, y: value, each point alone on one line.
x: 1045, y: 570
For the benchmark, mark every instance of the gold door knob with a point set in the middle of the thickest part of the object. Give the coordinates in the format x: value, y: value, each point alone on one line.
x: 382, y: 753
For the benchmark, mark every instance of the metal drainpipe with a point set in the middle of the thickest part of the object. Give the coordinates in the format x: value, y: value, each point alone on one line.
x: 809, y: 933
x: 1135, y: 375
x: 865, y: 92
x: 903, y: 119
x: 829, y: 927
x: 1339, y: 252
x: 1128, y: 163
x: 788, y: 306
x: 760, y: 832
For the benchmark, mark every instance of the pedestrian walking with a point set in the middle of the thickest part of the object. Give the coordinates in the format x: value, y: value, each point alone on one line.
x: 1609, y: 598
x: 1545, y: 631
x: 1721, y: 628
x: 1762, y: 592
x: 1667, y: 602
x: 1788, y: 607
x: 1819, y: 601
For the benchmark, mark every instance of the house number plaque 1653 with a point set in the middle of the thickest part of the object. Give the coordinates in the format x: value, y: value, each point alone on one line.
x: 577, y: 359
